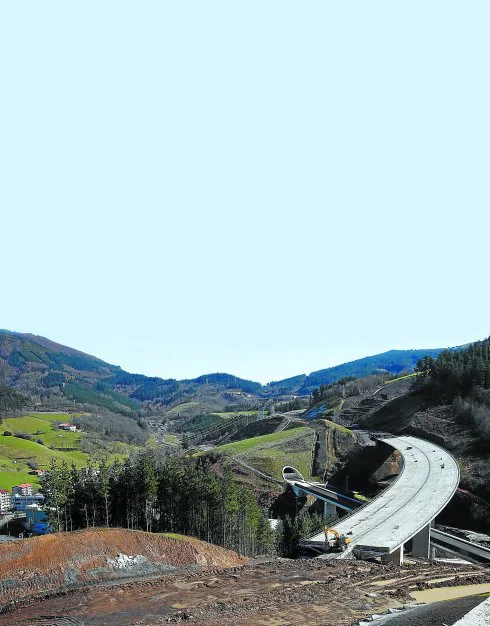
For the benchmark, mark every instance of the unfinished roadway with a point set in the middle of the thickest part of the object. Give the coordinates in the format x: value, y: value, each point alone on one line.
x: 405, y: 510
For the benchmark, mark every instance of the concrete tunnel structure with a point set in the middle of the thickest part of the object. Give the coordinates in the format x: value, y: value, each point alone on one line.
x: 404, y: 511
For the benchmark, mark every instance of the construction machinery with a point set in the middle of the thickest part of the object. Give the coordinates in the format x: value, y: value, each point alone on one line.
x: 338, y: 542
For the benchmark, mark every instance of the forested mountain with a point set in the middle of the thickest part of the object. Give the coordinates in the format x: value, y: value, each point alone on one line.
x: 53, y: 375
x: 11, y: 400
x: 392, y: 362
x: 288, y: 385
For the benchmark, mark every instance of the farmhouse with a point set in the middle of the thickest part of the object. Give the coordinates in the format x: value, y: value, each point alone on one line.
x: 66, y: 426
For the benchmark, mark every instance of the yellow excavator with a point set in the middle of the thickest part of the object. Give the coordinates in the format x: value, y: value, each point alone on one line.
x: 338, y: 542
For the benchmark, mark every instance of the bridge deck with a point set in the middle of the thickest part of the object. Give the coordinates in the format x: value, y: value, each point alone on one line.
x: 462, y: 547
x: 328, y: 495
x: 427, y: 482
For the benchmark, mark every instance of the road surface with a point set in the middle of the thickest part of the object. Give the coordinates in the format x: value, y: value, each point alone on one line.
x: 427, y: 482
x: 469, y: 611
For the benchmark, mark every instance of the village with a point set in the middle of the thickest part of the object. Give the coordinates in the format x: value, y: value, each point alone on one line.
x: 23, y: 504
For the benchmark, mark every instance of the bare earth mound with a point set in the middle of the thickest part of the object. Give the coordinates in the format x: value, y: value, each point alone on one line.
x: 61, y: 560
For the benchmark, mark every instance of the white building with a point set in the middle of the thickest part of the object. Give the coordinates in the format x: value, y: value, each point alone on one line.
x: 25, y: 489
x: 5, y: 500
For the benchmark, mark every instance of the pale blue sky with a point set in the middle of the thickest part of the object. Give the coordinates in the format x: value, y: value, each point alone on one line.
x: 263, y: 188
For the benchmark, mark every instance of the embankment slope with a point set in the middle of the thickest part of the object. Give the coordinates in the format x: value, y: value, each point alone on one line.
x: 62, y: 560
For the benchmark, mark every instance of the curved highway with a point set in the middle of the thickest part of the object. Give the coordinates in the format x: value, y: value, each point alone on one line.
x: 427, y: 482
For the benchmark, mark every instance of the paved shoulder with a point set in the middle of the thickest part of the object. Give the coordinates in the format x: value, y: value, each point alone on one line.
x: 469, y: 611
x: 479, y: 616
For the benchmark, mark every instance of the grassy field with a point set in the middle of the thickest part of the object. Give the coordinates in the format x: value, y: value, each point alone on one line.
x: 270, y: 453
x: 170, y: 439
x: 232, y: 414
x: 43, y: 427
x: 186, y: 409
x: 395, y: 380
x: 15, y: 452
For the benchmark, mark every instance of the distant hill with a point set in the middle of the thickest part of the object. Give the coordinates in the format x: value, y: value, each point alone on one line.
x: 288, y: 385
x: 391, y: 362
x: 54, y: 375
x: 59, y: 376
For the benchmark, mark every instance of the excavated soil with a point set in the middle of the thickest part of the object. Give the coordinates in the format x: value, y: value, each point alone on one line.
x: 278, y: 592
x: 62, y: 560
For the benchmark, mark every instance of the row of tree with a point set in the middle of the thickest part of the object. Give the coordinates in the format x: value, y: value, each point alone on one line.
x: 293, y: 405
x: 176, y: 495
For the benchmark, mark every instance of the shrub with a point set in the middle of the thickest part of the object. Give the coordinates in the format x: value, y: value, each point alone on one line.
x: 23, y: 436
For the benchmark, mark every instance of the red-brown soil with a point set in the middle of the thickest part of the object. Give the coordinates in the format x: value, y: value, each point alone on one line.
x: 61, y: 560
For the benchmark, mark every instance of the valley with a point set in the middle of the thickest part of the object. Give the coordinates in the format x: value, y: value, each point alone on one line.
x: 203, y: 458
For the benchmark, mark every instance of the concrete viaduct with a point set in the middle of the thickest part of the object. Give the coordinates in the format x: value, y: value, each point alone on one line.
x: 404, y: 511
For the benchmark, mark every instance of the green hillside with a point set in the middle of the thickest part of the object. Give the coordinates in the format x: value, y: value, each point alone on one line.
x: 46, y: 443
x: 44, y: 427
x: 270, y: 453
x: 16, y: 453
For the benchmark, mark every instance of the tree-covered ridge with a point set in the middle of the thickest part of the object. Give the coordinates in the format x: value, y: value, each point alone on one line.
x: 392, y: 362
x: 19, y: 350
x: 463, y: 379
x: 59, y: 377
x: 48, y: 371
x: 288, y: 385
x: 455, y: 372
x: 228, y: 381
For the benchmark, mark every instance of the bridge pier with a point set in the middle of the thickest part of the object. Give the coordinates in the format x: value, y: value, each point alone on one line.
x: 421, y: 542
x: 432, y: 553
x: 329, y: 510
x: 395, y: 557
